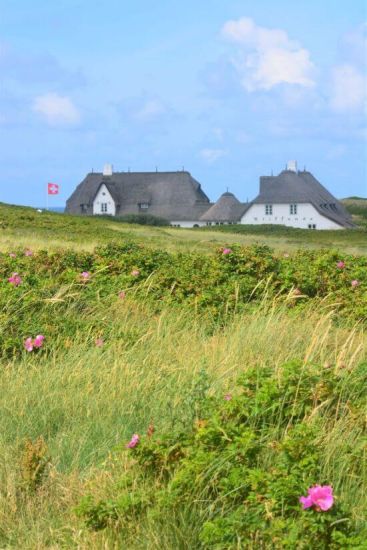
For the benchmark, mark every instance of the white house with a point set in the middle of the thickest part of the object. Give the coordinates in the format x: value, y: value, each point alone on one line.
x: 293, y: 198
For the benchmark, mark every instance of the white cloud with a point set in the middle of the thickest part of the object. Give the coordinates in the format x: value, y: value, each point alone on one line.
x: 212, y: 155
x: 56, y: 109
x: 353, y: 45
x: 151, y: 109
x: 348, y: 89
x: 267, y: 57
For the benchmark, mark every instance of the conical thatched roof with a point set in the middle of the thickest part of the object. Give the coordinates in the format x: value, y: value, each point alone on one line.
x: 226, y: 209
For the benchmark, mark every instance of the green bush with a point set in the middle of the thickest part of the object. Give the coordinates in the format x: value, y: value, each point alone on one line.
x: 143, y: 219
x: 244, y: 463
x: 54, y: 301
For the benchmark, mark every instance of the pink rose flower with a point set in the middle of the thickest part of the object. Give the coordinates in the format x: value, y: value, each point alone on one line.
x: 122, y: 295
x: 28, y: 344
x: 85, y: 275
x: 12, y: 255
x: 133, y: 441
x: 99, y: 342
x: 228, y: 397
x: 340, y: 265
x: 15, y: 279
x: 38, y: 341
x: 355, y: 283
x: 226, y: 251
x: 28, y: 253
x: 135, y: 272
x: 320, y: 497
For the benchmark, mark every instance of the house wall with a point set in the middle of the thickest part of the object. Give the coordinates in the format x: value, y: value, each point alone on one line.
x: 306, y: 214
x: 187, y: 224
x: 104, y: 197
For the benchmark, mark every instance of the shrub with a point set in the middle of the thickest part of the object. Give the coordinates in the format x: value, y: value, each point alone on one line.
x: 143, y: 219
x: 243, y: 465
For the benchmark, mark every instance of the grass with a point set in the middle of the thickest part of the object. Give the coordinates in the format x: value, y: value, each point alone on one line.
x: 86, y: 401
x: 29, y: 228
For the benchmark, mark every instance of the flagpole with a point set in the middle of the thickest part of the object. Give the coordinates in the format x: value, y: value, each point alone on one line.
x: 47, y: 197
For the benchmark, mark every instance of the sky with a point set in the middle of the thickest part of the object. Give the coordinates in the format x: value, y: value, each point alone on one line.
x: 230, y: 90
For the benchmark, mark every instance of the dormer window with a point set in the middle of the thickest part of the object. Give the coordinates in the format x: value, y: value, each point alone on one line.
x: 293, y: 209
x: 143, y: 205
x: 268, y: 209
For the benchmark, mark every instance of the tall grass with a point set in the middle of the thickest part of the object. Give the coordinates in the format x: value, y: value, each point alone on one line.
x: 86, y: 400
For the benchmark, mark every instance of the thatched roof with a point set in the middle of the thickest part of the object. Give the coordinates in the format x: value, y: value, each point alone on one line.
x: 176, y: 196
x: 226, y: 209
x: 302, y: 187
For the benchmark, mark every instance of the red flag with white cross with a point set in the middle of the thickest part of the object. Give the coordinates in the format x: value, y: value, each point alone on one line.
x: 52, y: 188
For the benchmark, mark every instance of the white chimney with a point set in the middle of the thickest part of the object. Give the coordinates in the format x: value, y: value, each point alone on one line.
x: 107, y: 170
x: 292, y: 165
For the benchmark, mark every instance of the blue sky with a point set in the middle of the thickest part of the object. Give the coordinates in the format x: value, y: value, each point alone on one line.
x: 230, y: 90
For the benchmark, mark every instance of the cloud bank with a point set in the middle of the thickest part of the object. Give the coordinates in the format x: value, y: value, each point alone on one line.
x: 56, y: 109
x: 267, y: 57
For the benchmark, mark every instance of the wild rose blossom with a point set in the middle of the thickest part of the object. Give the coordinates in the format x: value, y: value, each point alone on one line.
x: 135, y: 272
x: 228, y: 397
x: 226, y: 251
x: 320, y: 497
x: 38, y: 341
x: 354, y: 283
x: 15, y: 279
x: 122, y: 295
x: 85, y: 275
x: 340, y: 265
x: 28, y: 344
x: 12, y: 255
x: 31, y: 343
x: 99, y: 342
x: 133, y: 441
x: 28, y: 252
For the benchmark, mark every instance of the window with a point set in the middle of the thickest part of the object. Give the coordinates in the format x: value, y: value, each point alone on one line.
x: 268, y: 209
x: 293, y: 208
x: 143, y: 205
x: 104, y: 207
x: 311, y: 226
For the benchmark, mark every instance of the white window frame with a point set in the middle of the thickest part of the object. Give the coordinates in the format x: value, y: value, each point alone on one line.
x: 268, y: 210
x: 104, y: 207
x: 293, y: 209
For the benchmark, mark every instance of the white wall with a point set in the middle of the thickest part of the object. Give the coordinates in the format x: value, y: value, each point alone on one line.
x: 306, y: 214
x: 188, y: 224
x: 104, y: 196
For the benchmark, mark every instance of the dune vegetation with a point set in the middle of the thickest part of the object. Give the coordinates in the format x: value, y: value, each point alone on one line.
x: 165, y: 389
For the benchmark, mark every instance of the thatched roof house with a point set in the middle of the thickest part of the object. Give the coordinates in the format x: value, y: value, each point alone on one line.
x: 176, y: 196
x: 297, y: 196
x: 227, y: 209
x: 294, y: 198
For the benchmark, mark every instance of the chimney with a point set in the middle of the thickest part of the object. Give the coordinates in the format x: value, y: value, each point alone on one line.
x: 107, y: 170
x: 292, y: 165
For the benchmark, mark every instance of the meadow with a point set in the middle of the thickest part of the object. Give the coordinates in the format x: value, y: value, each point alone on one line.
x: 239, y: 361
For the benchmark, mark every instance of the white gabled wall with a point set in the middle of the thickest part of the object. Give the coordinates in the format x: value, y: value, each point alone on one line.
x: 104, y: 197
x: 187, y: 224
x: 306, y: 214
